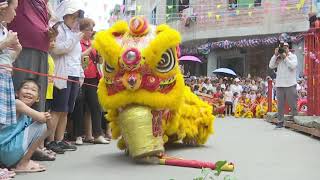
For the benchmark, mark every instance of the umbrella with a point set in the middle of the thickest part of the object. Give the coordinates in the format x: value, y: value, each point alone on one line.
x: 189, y: 58
x: 225, y: 71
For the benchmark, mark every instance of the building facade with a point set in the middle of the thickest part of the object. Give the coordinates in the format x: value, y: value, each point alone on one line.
x: 207, y: 21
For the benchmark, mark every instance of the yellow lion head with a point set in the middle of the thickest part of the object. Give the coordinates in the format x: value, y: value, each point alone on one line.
x: 140, y: 65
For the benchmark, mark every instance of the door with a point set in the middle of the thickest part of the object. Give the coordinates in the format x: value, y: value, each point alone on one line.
x: 235, y: 63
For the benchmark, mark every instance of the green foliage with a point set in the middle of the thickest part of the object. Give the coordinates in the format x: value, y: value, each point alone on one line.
x: 209, y: 174
x: 228, y: 177
x: 219, y: 166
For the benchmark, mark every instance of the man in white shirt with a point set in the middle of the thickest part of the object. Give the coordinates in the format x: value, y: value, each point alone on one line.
x: 286, y: 64
x: 236, y: 87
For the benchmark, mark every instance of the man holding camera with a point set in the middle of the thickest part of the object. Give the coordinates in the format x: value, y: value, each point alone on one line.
x: 286, y: 64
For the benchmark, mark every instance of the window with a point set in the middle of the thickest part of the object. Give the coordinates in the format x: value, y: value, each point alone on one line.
x: 257, y: 3
x: 183, y: 4
x: 234, y: 4
x: 172, y: 10
x: 154, y: 16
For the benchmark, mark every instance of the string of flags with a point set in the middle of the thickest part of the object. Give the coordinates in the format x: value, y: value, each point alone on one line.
x: 223, y: 10
x: 266, y: 7
x: 223, y: 5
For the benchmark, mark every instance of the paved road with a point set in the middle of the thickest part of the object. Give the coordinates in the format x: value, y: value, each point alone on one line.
x: 259, y: 152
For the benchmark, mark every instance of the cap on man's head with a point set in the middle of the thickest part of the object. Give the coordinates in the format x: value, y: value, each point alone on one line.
x: 237, y: 80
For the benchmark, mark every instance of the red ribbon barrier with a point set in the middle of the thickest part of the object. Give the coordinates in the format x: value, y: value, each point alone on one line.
x: 43, y: 74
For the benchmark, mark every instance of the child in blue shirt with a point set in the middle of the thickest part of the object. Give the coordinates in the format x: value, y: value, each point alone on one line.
x: 18, y: 141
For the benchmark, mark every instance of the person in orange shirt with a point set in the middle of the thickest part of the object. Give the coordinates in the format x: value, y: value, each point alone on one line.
x: 243, y: 107
x: 259, y: 101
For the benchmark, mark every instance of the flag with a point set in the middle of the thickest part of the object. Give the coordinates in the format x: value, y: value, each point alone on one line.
x: 138, y: 8
x: 218, y: 17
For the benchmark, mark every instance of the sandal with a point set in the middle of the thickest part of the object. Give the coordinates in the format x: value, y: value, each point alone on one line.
x: 101, y: 140
x: 40, y: 155
x: 10, y: 173
x: 5, y: 174
x: 88, y: 140
x: 32, y: 167
x: 48, y: 151
x: 108, y: 137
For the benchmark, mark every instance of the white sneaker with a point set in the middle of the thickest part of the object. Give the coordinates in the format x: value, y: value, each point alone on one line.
x: 79, y: 141
x: 101, y: 140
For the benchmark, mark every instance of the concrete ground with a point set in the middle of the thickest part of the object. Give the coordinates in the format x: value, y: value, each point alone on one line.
x: 258, y: 150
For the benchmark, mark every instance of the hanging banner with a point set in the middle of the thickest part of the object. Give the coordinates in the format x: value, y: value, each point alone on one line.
x: 242, y: 43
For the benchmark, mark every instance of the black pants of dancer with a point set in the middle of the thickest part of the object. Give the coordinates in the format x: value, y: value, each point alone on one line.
x: 87, y: 101
x: 229, y: 107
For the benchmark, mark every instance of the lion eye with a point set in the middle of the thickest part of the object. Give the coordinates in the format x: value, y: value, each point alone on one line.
x: 108, y: 68
x: 167, y: 62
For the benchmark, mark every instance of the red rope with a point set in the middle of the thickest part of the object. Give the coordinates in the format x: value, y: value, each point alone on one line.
x: 43, y: 74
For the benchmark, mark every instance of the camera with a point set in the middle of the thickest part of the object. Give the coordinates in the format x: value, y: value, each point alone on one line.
x: 281, y: 48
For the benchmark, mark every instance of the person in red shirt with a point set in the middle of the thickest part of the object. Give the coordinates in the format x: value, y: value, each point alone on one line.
x: 259, y: 98
x: 88, y: 100
x: 218, y: 93
x: 219, y: 107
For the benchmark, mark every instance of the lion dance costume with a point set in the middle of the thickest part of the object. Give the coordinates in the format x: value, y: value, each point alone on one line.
x: 144, y: 93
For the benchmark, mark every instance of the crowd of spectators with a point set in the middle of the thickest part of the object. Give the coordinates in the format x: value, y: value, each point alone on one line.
x: 36, y: 41
x: 37, y: 110
x: 225, y: 93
